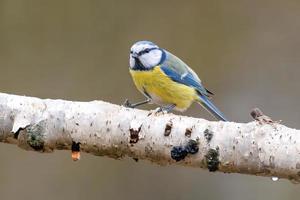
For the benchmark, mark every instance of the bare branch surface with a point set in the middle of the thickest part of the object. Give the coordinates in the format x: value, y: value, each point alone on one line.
x: 104, y: 129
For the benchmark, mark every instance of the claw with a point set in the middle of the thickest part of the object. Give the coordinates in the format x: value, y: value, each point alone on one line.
x: 127, y: 104
x: 166, y: 109
x: 158, y: 111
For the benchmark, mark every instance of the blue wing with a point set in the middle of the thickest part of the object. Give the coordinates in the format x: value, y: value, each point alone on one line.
x: 178, y: 71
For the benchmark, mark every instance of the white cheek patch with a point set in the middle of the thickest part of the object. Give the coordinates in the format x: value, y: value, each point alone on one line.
x: 151, y: 59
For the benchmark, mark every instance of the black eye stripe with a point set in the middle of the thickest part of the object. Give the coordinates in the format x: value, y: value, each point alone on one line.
x: 146, y: 50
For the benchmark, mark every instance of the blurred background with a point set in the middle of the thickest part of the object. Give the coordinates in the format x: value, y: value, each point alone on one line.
x: 246, y: 52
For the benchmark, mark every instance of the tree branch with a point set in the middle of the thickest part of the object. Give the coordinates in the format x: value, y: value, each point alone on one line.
x: 104, y: 129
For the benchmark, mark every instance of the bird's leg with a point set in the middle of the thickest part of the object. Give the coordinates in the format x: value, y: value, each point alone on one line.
x: 165, y: 109
x: 134, y: 105
x: 168, y: 108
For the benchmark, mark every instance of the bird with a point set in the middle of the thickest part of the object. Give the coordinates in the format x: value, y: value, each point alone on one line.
x: 165, y: 80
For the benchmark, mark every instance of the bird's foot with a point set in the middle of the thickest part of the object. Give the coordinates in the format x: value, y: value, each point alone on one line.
x: 162, y: 110
x: 158, y: 111
x: 127, y: 104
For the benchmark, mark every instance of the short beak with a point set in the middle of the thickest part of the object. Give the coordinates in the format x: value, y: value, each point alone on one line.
x: 134, y: 55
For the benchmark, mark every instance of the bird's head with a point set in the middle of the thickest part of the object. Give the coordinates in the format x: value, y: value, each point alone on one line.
x: 145, y: 55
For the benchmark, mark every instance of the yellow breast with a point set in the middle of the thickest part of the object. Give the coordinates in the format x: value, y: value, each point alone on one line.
x: 162, y: 89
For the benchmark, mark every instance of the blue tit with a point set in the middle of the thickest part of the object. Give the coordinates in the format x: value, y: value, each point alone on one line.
x: 166, y: 80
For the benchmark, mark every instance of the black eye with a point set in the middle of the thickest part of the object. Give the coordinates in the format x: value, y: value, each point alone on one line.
x: 131, y: 52
x: 146, y: 50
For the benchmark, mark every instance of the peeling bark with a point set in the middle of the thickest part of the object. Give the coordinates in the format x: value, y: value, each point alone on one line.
x: 104, y: 129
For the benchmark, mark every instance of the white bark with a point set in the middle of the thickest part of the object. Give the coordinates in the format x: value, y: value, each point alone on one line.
x: 105, y: 129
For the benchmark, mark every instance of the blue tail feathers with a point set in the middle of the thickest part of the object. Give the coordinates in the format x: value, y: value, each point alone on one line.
x: 211, y: 108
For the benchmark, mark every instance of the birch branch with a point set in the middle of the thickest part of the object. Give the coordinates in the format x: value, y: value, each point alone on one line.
x: 104, y: 129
